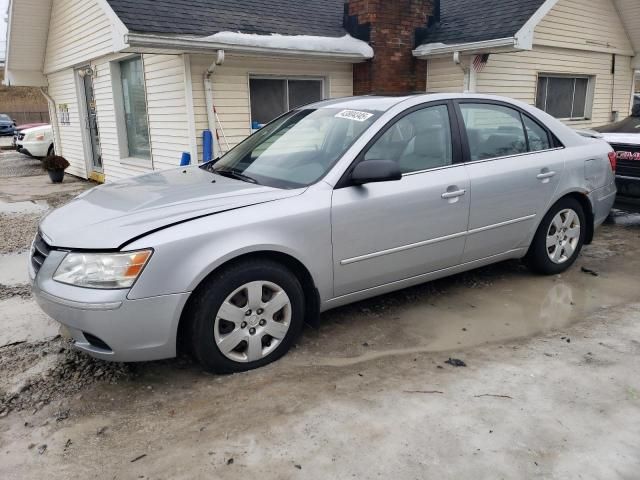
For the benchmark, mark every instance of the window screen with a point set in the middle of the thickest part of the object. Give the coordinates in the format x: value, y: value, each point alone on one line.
x: 271, y: 97
x: 135, y: 108
x: 563, y: 97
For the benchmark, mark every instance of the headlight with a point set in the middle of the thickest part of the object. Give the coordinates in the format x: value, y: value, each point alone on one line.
x: 102, y: 270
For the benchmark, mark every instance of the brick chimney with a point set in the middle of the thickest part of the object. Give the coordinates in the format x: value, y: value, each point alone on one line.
x: 390, y: 27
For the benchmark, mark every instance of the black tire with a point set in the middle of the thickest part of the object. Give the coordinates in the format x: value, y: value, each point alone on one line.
x: 537, y: 258
x: 214, y: 291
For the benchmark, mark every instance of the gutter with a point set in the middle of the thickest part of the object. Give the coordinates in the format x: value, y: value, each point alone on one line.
x: 485, y: 46
x: 194, y: 45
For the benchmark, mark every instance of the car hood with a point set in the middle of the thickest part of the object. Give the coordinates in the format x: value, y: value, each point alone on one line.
x: 622, y: 138
x: 109, y: 216
x: 41, y: 128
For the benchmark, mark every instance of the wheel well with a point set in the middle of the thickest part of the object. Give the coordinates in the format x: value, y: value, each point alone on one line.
x: 585, y: 203
x: 312, y: 297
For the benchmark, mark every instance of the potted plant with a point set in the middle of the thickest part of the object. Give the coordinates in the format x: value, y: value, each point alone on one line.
x: 55, y: 167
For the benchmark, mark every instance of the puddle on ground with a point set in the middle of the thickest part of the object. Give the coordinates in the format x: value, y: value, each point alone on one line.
x: 14, y: 268
x: 21, y: 320
x: 26, y: 207
x: 452, y: 315
x: 625, y: 218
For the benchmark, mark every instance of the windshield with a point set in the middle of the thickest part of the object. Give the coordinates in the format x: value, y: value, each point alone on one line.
x: 295, y: 150
x: 4, y: 118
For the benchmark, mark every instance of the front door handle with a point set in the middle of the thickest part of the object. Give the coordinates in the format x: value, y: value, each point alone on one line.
x: 454, y: 194
x: 546, y: 175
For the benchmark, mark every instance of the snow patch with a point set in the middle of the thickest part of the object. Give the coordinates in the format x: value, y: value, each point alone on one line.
x: 299, y: 43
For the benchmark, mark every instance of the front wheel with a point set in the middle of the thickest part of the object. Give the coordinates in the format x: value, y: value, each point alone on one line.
x: 246, y: 316
x: 559, y: 238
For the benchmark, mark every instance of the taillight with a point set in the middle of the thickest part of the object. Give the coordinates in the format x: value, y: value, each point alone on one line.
x: 613, y: 158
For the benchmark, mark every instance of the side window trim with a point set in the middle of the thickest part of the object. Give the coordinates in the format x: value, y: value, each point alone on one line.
x: 554, y: 142
x: 456, y: 148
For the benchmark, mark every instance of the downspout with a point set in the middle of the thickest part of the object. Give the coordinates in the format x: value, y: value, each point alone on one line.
x: 212, y: 115
x: 466, y: 81
x: 53, y: 113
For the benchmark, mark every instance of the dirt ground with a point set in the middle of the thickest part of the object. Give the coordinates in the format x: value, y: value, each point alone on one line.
x: 550, y: 388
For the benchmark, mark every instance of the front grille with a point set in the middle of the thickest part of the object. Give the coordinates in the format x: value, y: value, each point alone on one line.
x: 628, y: 168
x: 21, y: 136
x: 40, y: 252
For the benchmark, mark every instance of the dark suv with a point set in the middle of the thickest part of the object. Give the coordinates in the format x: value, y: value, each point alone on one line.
x: 7, y: 125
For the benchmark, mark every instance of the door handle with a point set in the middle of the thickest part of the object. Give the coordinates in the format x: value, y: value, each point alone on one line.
x: 454, y: 194
x: 546, y: 175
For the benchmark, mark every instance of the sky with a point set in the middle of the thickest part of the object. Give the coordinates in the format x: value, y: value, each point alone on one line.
x: 3, y: 26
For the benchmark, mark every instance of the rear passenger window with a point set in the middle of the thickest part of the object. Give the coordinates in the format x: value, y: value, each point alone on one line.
x: 418, y: 141
x: 538, y: 137
x: 493, y: 131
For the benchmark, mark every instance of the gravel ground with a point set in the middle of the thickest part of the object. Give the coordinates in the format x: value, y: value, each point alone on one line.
x: 17, y: 232
x: 37, y: 373
x: 14, y: 164
x: 22, y: 291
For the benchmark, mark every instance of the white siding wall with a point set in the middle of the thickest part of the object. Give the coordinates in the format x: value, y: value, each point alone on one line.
x: 231, y: 88
x: 444, y: 76
x: 516, y: 75
x: 62, y: 88
x: 79, y: 31
x: 592, y: 25
x: 166, y: 105
x: 164, y: 79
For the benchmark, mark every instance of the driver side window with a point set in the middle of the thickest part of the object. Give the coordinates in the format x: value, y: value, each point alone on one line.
x: 418, y: 141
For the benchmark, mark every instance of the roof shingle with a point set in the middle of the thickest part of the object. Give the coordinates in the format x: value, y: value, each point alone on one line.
x: 465, y: 21
x: 206, y: 17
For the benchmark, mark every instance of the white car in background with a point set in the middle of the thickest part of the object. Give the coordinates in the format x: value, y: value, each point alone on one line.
x: 36, y: 141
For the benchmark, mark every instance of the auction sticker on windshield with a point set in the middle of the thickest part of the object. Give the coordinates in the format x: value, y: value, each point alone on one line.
x: 354, y: 115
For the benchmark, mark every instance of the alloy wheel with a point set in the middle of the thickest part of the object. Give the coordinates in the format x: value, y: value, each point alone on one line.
x: 563, y: 236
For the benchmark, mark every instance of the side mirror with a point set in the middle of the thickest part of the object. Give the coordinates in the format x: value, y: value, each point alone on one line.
x: 373, y: 171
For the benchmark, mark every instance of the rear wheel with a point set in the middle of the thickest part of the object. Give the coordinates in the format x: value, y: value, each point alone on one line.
x: 559, y: 238
x: 246, y: 316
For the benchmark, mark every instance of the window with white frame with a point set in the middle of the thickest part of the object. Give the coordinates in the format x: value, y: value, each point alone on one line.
x: 271, y: 97
x: 564, y: 96
x: 134, y: 108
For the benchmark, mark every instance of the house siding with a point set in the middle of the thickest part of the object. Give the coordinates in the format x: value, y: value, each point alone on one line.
x: 592, y: 25
x: 62, y: 88
x: 444, y: 76
x: 79, y: 30
x: 515, y: 75
x: 577, y: 37
x: 231, y: 89
x: 166, y: 109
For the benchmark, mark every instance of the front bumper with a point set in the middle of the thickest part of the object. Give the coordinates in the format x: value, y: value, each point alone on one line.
x: 105, y: 323
x: 33, y: 149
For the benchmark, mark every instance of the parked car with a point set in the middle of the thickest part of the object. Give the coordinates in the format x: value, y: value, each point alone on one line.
x: 36, y: 142
x: 327, y: 205
x: 23, y: 127
x: 624, y: 137
x: 7, y: 125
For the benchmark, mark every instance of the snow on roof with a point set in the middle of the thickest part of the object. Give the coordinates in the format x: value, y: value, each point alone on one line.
x: 299, y: 43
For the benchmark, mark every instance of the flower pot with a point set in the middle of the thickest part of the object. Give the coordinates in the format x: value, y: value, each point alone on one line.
x: 56, y: 176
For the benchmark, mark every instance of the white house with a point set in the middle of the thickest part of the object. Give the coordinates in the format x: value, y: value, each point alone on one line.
x: 575, y: 59
x: 132, y: 84
x: 128, y: 82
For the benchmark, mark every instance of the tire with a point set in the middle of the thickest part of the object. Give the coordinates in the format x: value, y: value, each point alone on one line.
x: 229, y: 339
x: 564, y: 226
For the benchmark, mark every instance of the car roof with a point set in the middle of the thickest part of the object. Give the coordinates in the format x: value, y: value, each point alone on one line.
x: 382, y: 103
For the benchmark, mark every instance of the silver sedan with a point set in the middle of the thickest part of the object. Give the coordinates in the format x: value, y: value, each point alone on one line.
x: 329, y: 204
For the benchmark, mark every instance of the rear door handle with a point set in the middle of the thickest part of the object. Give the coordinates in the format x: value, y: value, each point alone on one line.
x: 546, y: 175
x: 454, y: 194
